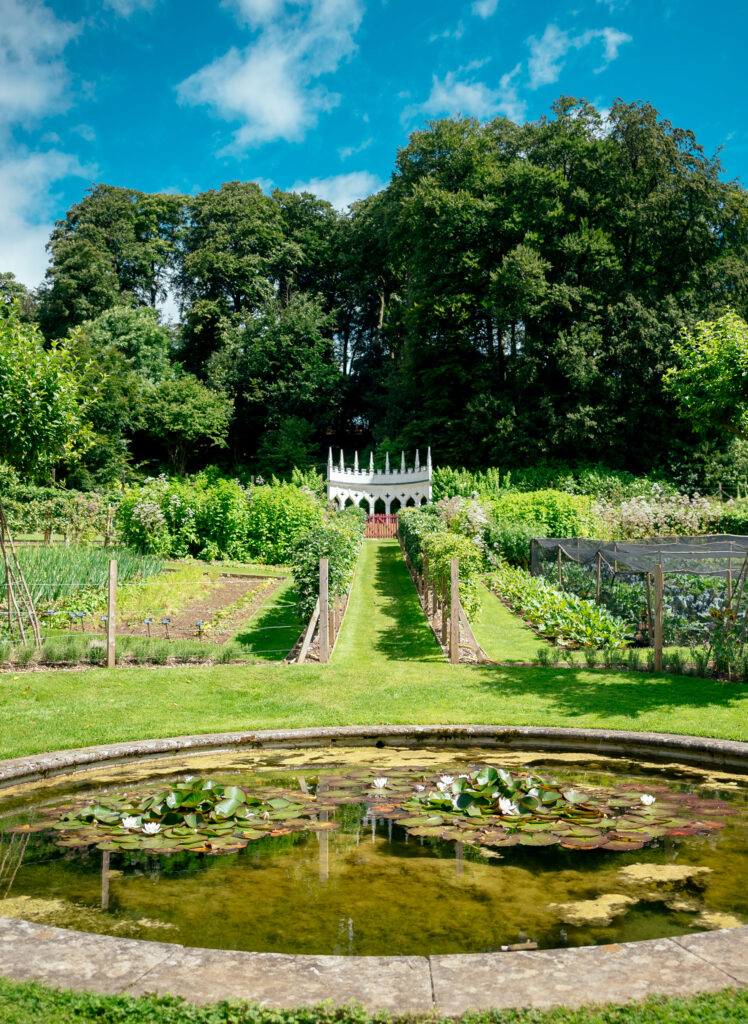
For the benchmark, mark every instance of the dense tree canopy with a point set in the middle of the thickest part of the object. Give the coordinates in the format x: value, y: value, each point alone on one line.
x: 515, y: 292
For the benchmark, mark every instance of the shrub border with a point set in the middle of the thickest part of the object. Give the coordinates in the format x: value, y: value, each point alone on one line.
x: 452, y: 984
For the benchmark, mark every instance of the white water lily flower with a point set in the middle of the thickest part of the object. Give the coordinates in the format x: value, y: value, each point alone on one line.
x: 506, y: 806
x: 151, y: 828
x: 379, y: 783
x: 442, y: 786
x: 447, y: 779
x: 130, y: 822
x: 647, y: 799
x: 420, y: 789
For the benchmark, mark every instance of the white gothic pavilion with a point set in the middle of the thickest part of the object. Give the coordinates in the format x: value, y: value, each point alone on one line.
x: 379, y: 491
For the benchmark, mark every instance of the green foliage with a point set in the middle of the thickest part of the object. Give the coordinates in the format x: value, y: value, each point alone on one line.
x: 33, y: 509
x: 711, y: 383
x: 558, y: 616
x: 57, y: 575
x: 184, y: 415
x: 286, y: 446
x: 559, y: 514
x: 510, y: 540
x: 43, y: 399
x: 214, y: 517
x: 451, y: 483
x: 339, y: 540
x: 414, y: 525
x: 734, y: 517
x: 440, y: 549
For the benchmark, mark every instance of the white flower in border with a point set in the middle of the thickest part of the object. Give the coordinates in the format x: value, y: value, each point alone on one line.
x: 151, y: 828
x: 647, y: 799
x: 130, y: 822
x: 507, y: 806
x: 379, y: 783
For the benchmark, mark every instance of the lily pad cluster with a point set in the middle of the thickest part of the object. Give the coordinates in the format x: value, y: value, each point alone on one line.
x: 197, y: 815
x: 493, y: 807
x: 487, y: 807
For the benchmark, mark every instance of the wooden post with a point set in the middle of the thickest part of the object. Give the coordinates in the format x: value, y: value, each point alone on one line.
x: 324, y: 611
x: 445, y: 639
x: 560, y: 581
x: 729, y: 579
x: 111, y: 611
x: 659, y: 588
x: 599, y: 576
x: 454, y: 611
x: 650, y: 620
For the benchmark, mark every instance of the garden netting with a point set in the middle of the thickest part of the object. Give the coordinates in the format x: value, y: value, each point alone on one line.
x: 701, y: 579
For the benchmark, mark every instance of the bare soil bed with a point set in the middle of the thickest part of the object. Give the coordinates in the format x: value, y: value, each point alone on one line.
x: 229, y: 592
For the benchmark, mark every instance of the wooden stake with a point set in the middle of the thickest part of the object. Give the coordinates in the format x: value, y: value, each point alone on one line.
x: 650, y: 620
x: 729, y: 579
x: 560, y: 581
x: 445, y: 639
x: 324, y: 611
x: 111, y: 622
x: 658, y: 638
x: 308, y: 635
x: 454, y: 611
x: 599, y: 576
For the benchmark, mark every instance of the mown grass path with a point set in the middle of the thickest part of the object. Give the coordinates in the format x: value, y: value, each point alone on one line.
x: 384, y: 621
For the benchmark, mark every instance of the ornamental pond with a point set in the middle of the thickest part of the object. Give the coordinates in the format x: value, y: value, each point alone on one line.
x: 355, y: 851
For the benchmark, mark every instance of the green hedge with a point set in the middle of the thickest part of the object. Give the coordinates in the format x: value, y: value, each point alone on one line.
x: 558, y: 513
x: 213, y: 519
x: 79, y: 515
x: 339, y: 540
x: 510, y: 541
x: 440, y: 549
x: 414, y: 525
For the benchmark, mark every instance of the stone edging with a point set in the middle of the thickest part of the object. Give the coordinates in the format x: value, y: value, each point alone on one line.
x: 450, y: 985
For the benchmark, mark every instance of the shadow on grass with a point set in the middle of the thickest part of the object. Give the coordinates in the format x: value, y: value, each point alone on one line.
x: 576, y: 691
x: 272, y: 632
x: 406, y: 636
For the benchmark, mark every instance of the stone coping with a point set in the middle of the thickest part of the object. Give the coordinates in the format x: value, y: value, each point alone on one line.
x: 720, y: 755
x: 450, y: 984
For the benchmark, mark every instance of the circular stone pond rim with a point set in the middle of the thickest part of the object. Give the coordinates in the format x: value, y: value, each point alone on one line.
x: 446, y: 984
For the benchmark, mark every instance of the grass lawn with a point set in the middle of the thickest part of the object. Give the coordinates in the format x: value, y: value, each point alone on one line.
x: 32, y: 1004
x: 384, y: 622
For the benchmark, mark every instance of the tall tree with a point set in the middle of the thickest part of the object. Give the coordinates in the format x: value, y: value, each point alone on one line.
x: 115, y: 247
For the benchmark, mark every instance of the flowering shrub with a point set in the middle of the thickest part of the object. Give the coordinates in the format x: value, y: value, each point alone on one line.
x: 339, y: 540
x: 555, y: 615
x: 660, y: 515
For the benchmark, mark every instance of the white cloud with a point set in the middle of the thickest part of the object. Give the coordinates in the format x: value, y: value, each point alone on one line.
x: 452, y: 95
x: 271, y: 87
x: 256, y: 12
x: 341, y: 189
x: 26, y: 209
x: 613, y: 39
x: 86, y: 132
x: 348, y: 151
x: 485, y: 8
x: 32, y: 77
x: 449, y: 33
x: 548, y: 53
x: 125, y: 8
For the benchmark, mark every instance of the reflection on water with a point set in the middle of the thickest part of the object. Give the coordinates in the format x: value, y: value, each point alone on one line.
x: 369, y: 888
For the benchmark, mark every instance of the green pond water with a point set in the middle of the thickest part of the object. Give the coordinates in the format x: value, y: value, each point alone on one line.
x: 369, y: 888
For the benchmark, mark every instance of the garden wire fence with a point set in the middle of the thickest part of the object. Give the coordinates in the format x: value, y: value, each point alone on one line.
x: 703, y: 581
x: 155, y: 616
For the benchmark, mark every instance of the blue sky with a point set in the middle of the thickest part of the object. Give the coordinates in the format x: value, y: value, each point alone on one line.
x: 183, y: 95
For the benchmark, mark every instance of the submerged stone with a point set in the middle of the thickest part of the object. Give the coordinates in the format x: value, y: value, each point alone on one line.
x: 665, y: 876
x: 595, y: 913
